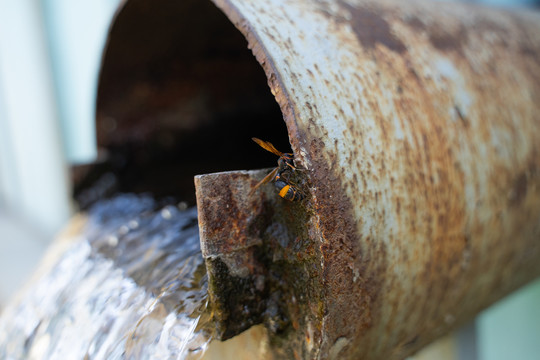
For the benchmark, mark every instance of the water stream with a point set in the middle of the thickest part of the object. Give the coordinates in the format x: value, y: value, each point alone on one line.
x: 131, y: 285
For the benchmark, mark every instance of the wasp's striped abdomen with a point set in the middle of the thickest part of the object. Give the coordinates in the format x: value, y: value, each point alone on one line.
x: 287, y: 191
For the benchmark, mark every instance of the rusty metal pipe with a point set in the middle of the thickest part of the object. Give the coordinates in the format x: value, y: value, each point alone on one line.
x: 419, y: 125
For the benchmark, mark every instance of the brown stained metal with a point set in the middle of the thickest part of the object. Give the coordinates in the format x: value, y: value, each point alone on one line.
x: 230, y: 243
x: 419, y: 124
x: 255, y: 247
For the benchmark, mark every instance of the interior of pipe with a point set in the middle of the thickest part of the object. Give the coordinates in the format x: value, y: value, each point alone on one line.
x: 179, y: 94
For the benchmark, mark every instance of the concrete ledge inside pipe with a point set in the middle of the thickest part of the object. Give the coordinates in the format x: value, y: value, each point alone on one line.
x: 179, y: 94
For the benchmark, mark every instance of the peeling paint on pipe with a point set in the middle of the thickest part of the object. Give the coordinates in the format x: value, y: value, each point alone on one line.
x: 419, y: 124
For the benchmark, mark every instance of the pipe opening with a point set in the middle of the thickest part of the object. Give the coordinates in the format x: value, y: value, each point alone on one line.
x: 179, y: 94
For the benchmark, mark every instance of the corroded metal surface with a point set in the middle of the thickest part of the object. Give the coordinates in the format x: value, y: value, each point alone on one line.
x: 419, y: 124
x: 231, y: 243
x: 259, y: 254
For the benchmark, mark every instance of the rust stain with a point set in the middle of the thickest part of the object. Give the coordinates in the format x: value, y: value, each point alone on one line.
x: 415, y: 23
x: 225, y: 220
x: 347, y: 292
x: 448, y: 39
x: 230, y: 224
x: 461, y: 116
x: 518, y: 191
x: 260, y: 254
x: 371, y: 28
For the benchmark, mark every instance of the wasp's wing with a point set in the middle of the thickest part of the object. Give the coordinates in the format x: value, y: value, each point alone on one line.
x: 266, y: 179
x: 267, y: 146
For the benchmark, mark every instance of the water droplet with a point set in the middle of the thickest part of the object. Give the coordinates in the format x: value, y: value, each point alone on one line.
x: 112, y: 241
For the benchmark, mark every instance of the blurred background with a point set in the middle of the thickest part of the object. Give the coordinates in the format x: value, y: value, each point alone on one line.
x: 50, y: 53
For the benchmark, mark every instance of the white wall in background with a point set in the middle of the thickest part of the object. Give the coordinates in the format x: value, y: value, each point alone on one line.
x: 33, y: 170
x: 77, y: 32
x: 50, y: 53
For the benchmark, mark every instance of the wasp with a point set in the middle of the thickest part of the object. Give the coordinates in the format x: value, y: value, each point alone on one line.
x: 283, y: 175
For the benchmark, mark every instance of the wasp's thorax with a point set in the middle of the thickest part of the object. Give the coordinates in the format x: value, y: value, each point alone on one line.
x: 286, y: 161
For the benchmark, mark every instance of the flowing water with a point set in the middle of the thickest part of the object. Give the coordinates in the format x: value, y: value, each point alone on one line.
x: 131, y: 285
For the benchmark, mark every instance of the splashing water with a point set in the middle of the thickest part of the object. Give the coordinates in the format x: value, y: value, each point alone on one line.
x: 131, y: 285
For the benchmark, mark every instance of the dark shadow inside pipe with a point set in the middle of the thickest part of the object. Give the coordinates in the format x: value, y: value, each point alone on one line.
x: 179, y: 94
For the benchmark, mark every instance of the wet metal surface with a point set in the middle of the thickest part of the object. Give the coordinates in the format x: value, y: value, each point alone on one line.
x: 418, y: 123
x: 231, y: 245
x: 258, y: 256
